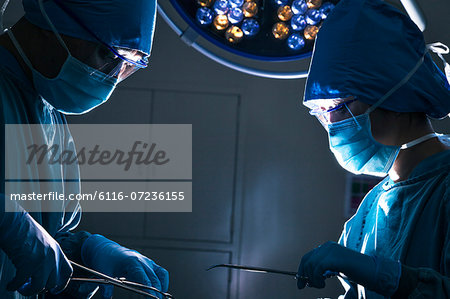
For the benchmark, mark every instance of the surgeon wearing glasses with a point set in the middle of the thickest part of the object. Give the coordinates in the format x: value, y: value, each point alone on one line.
x: 373, y: 86
x: 66, y: 57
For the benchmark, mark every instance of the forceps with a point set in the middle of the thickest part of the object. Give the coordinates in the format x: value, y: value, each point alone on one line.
x: 268, y: 270
x: 118, y: 282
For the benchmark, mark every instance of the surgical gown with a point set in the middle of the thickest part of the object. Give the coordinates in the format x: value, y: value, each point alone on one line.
x: 407, y: 221
x: 21, y: 105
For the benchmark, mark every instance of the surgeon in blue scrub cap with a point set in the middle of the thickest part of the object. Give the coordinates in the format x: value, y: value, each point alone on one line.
x: 66, y: 57
x: 373, y: 86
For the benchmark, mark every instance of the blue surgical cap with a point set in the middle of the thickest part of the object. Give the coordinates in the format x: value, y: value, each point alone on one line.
x: 364, y: 49
x: 118, y: 23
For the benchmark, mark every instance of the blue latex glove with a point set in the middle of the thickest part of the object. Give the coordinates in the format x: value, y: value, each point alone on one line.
x: 39, y: 261
x: 378, y: 274
x: 108, y: 257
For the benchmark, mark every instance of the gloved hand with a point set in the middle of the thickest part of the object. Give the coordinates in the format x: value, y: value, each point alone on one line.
x: 378, y: 274
x: 39, y: 261
x: 108, y: 257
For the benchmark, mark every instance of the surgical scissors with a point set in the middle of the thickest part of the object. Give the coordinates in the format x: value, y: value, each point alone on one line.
x: 118, y: 282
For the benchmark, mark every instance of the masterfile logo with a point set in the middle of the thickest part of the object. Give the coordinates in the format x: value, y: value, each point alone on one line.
x: 122, y: 168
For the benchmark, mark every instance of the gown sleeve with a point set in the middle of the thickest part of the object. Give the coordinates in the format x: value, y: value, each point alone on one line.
x: 422, y: 283
x: 426, y: 282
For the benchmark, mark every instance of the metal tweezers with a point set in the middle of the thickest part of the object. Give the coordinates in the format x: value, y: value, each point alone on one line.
x: 118, y: 282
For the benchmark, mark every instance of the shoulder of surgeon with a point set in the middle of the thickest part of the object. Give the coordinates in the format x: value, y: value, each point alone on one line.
x: 442, y: 166
x: 19, y: 102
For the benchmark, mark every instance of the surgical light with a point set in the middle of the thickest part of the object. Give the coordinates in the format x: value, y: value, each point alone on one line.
x: 250, y: 9
x: 314, y: 3
x: 311, y: 32
x: 250, y: 27
x: 280, y: 30
x: 298, y: 23
x: 256, y: 28
x: 221, y: 7
x: 299, y: 7
x: 313, y: 17
x: 235, y: 3
x: 295, y: 41
x: 206, y: 3
x: 235, y: 15
x: 234, y: 34
x: 267, y: 30
x: 221, y: 22
x: 204, y: 16
x: 284, y: 13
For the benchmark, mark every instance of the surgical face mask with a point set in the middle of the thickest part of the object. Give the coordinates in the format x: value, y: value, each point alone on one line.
x: 356, y: 150
x: 77, y: 89
x: 354, y: 147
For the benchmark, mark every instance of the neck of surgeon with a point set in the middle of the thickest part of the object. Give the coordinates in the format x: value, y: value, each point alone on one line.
x: 410, y: 127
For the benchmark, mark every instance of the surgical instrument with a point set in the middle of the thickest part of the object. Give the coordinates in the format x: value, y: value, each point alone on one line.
x: 118, y: 282
x: 268, y: 270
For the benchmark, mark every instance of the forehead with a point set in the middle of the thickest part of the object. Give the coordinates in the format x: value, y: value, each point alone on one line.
x: 325, y: 104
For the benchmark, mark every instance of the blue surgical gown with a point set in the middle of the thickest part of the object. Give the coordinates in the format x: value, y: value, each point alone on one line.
x: 407, y: 221
x: 21, y: 105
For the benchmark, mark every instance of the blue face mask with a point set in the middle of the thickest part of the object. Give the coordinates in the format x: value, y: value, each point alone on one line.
x: 356, y: 150
x: 354, y: 147
x: 77, y: 89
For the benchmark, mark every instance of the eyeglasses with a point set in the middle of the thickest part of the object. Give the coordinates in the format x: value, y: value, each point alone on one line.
x: 118, y: 282
x: 333, y: 114
x: 119, y: 66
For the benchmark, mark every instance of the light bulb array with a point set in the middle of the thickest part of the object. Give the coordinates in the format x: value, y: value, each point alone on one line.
x: 235, y: 18
x: 294, y: 22
x: 299, y: 20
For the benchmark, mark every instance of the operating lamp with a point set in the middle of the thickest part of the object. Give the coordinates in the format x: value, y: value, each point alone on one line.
x: 271, y: 31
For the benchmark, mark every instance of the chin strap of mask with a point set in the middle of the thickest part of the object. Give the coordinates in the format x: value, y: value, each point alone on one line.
x: 419, y: 140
